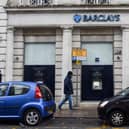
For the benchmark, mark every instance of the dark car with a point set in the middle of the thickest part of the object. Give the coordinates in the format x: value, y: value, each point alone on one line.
x: 115, y: 110
x: 25, y: 101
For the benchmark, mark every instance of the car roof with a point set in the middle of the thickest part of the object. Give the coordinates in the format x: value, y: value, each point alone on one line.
x: 20, y: 82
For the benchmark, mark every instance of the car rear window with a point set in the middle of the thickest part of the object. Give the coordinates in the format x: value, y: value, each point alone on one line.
x: 46, y: 93
x: 17, y: 89
x: 3, y: 89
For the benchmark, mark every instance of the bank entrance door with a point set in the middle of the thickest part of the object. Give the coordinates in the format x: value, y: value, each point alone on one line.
x: 97, y: 72
x: 40, y: 63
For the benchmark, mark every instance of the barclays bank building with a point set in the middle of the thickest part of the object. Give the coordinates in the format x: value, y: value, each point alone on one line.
x: 37, y: 38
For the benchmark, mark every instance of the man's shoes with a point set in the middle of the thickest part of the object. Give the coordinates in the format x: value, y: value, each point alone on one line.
x: 59, y: 107
x: 72, y: 109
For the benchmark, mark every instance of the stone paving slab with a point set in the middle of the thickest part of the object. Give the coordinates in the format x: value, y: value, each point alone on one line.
x: 89, y: 112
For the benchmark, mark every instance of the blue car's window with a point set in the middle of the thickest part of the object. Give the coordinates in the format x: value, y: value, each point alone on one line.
x: 3, y: 89
x: 17, y: 89
x: 46, y: 93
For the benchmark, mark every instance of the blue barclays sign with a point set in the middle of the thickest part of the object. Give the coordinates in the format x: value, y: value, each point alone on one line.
x: 96, y: 18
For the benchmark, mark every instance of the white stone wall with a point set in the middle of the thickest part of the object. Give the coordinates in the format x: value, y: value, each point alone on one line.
x: 78, y: 36
x: 18, y: 57
x: 125, y: 56
x: 114, y: 36
x: 87, y: 35
x: 58, y: 68
x: 64, y: 2
x: 3, y: 31
x: 85, y: 1
x: 117, y: 44
x: 22, y: 36
x: 48, y: 20
x: 76, y: 69
x: 119, y: 1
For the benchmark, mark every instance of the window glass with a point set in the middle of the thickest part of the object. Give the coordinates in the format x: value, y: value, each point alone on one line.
x: 124, y: 92
x: 40, y: 54
x: 46, y: 93
x: 17, y: 89
x: 3, y: 89
x: 98, y: 53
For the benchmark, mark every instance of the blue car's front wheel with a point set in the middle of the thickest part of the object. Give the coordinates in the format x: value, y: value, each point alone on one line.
x: 32, y: 117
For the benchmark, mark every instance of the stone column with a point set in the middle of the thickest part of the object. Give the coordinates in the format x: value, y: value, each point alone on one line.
x: 125, y: 57
x: 66, y: 64
x: 9, y: 54
x: 66, y: 51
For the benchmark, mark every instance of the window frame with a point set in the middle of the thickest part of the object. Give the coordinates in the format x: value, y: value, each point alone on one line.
x: 48, y: 92
x: 15, y: 85
x: 6, y: 91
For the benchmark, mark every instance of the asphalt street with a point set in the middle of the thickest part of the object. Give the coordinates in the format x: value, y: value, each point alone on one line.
x: 61, y: 123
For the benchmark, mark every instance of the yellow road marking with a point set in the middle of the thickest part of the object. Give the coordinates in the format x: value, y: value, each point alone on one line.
x: 105, y: 127
x: 118, y: 128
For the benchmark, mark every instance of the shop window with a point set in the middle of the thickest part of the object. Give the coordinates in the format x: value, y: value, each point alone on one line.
x: 98, y: 53
x: 40, y: 54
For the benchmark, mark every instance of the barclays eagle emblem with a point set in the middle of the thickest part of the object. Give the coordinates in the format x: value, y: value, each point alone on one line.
x: 77, y: 18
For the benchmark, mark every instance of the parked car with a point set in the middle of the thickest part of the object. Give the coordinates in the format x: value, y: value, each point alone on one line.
x: 25, y: 101
x: 115, y: 110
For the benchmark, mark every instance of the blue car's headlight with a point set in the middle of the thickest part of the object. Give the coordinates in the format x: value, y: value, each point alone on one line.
x: 104, y: 103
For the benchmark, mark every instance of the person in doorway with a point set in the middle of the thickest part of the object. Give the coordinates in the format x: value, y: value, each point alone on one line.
x: 68, y: 90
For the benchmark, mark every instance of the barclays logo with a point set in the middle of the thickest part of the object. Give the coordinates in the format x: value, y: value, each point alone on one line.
x: 96, y: 18
x: 77, y: 18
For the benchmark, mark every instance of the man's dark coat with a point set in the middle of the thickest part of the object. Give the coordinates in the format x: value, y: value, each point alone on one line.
x: 68, y: 86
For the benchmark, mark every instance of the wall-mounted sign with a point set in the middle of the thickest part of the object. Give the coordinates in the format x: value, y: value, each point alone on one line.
x: 96, y: 18
x: 34, y: 3
x: 79, y: 54
x: 97, y: 2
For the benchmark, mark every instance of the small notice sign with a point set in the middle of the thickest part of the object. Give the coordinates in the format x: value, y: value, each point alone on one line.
x: 79, y: 54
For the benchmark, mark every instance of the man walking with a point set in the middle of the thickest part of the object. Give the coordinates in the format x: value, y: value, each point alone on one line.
x: 68, y: 90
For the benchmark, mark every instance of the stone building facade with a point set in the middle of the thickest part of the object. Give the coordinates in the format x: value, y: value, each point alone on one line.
x: 39, y: 36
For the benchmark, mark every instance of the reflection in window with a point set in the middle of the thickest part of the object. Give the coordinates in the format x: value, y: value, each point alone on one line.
x: 18, y: 90
x: 46, y: 93
x: 3, y: 89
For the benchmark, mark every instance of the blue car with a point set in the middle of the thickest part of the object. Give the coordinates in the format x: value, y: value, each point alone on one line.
x: 25, y: 101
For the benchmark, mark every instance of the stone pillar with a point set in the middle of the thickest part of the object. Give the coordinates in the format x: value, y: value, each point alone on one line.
x: 66, y: 64
x: 9, y: 55
x: 117, y: 64
x: 66, y: 51
x: 125, y: 57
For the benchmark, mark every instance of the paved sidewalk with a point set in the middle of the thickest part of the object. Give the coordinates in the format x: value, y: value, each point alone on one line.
x: 85, y: 112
